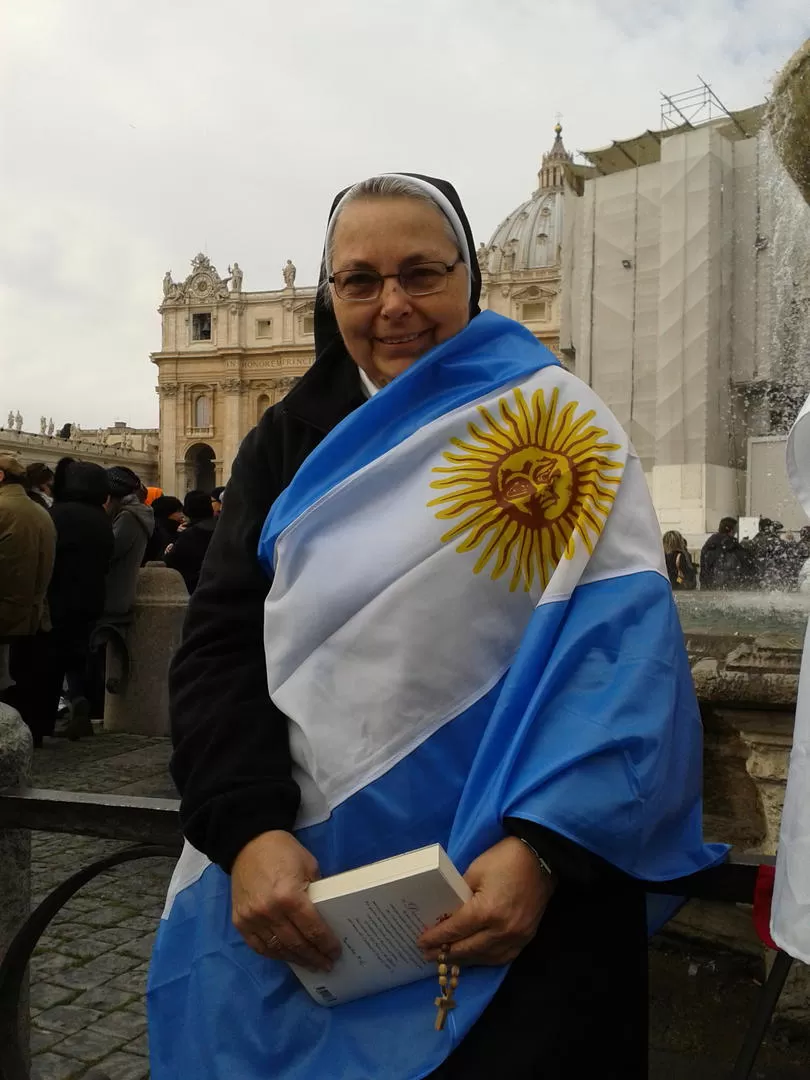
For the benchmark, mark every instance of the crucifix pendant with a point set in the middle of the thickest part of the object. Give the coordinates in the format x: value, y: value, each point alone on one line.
x: 444, y: 1003
x: 448, y: 981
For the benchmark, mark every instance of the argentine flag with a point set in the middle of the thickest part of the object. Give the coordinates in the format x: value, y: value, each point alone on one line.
x: 469, y: 620
x: 790, y: 910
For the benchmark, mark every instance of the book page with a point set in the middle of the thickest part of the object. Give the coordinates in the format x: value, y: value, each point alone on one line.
x: 389, y: 931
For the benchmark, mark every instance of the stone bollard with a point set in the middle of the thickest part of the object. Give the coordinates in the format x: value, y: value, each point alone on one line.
x: 152, y: 639
x: 16, y: 751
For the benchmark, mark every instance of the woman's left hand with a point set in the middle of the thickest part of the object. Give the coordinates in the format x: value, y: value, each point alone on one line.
x: 510, y: 894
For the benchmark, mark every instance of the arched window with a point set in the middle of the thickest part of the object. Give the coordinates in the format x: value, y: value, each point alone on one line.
x: 200, y: 467
x: 202, y: 411
x: 262, y: 405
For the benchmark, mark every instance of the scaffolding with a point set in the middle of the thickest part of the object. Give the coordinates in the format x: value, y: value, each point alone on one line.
x: 690, y: 108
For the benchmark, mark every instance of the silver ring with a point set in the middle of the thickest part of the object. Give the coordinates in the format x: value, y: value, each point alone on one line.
x: 273, y: 944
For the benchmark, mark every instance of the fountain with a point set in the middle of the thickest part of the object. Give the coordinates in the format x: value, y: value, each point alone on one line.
x: 785, y: 159
x: 745, y: 648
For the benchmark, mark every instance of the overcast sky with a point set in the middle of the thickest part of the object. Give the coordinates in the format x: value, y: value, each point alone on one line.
x: 134, y: 134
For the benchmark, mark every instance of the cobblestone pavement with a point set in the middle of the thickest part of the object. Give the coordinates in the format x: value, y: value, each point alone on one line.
x: 89, y: 971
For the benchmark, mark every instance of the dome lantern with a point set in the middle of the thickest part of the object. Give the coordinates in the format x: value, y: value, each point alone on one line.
x: 530, y: 238
x: 552, y: 172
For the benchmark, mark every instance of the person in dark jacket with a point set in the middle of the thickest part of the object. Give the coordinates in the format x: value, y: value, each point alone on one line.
x: 772, y: 557
x: 723, y: 561
x: 168, y: 512
x: 84, y: 545
x: 133, y: 524
x: 187, y: 552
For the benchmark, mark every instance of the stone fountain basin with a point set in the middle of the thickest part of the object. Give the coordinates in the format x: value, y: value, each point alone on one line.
x: 745, y: 648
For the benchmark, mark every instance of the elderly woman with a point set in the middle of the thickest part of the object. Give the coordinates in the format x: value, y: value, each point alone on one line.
x: 435, y: 610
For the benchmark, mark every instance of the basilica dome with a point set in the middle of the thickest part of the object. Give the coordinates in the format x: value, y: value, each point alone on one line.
x: 531, y: 236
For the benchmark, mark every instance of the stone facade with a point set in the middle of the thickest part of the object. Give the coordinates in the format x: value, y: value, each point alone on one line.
x: 138, y: 452
x: 226, y: 355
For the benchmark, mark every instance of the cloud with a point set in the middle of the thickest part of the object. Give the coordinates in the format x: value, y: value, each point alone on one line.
x: 136, y: 134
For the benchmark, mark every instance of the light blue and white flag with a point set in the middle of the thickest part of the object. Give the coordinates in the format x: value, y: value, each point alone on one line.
x: 469, y: 620
x: 790, y: 910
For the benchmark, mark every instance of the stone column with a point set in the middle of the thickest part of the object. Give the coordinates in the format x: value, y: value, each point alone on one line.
x: 287, y: 327
x: 168, y: 436
x: 235, y: 390
x: 16, y: 751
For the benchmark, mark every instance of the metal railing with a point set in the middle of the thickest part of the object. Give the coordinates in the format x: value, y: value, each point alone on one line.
x: 153, y: 826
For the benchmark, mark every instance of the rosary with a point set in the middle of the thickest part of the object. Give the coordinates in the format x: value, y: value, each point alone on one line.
x: 448, y: 981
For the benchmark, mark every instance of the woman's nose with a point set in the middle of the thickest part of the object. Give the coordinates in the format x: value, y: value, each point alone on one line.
x: 394, y: 301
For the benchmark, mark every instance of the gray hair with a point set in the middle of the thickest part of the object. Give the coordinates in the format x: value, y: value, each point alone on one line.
x: 388, y: 186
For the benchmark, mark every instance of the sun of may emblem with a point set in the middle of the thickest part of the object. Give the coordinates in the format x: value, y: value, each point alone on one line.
x: 525, y: 484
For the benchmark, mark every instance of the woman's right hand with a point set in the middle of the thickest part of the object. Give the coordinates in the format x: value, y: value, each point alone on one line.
x: 271, y: 909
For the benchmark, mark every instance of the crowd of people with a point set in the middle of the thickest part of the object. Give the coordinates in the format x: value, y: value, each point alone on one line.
x: 72, y: 541
x: 770, y: 560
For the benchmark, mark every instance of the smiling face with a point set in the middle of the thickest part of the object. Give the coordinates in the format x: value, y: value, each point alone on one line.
x: 388, y: 234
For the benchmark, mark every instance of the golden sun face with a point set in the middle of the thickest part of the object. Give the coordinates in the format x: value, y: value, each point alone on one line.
x: 526, y: 484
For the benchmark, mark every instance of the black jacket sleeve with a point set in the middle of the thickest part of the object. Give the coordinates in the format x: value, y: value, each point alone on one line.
x: 567, y: 860
x: 231, y: 760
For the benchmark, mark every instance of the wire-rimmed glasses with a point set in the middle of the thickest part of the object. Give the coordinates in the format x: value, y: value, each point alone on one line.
x: 420, y: 279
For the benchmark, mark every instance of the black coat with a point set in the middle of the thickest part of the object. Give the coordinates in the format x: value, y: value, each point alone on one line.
x: 585, y: 971
x: 723, y: 563
x: 84, y: 544
x: 165, y: 533
x: 188, y: 550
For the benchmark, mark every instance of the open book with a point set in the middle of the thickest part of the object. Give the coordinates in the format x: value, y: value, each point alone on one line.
x: 378, y: 913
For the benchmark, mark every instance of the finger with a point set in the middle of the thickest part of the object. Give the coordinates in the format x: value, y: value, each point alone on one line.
x: 256, y: 943
x: 468, y: 920
x: 315, y: 930
x: 293, y: 941
x: 270, y: 949
x: 485, y: 947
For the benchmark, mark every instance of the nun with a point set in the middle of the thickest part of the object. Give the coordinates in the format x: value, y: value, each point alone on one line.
x: 435, y: 610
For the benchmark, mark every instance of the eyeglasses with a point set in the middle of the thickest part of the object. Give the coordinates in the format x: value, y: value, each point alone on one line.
x: 421, y: 279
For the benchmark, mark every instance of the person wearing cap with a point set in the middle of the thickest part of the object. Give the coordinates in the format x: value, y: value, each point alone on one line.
x: 188, y: 550
x: 168, y: 511
x: 133, y: 524
x: 27, y: 545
